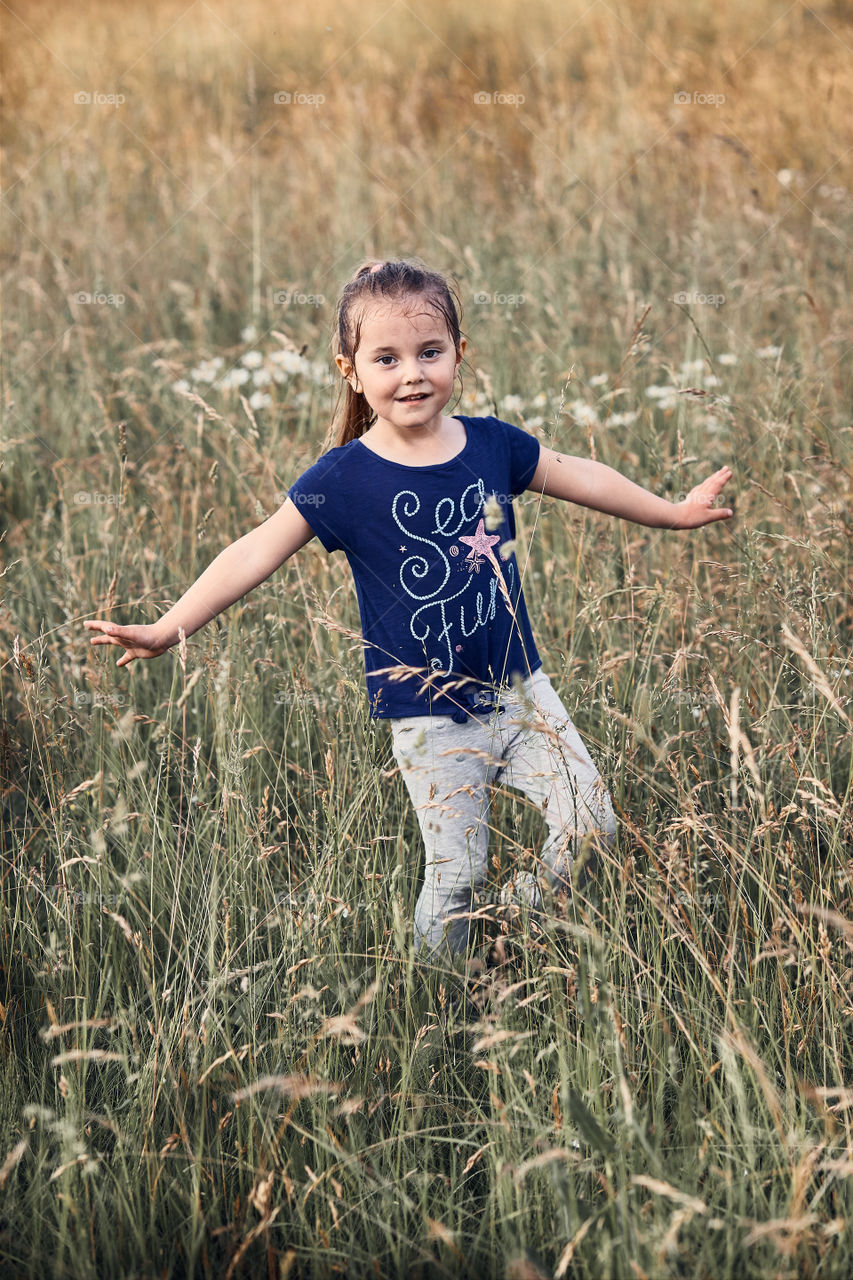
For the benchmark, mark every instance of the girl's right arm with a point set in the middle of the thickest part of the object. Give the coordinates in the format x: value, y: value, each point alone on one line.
x: 235, y: 571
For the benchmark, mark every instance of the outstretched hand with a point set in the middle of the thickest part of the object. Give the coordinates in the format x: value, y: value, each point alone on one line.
x: 698, y: 507
x: 138, y: 642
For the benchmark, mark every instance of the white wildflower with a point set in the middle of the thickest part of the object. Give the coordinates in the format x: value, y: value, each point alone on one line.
x: 475, y: 400
x: 252, y: 359
x: 289, y: 361
x: 249, y: 334
x: 233, y: 378
x: 768, y: 353
x: 667, y: 397
x: 624, y: 419
x: 598, y: 380
x: 692, y: 366
x: 259, y: 400
x: 656, y: 392
x: 181, y: 385
x: 207, y: 370
x: 727, y: 357
x: 583, y: 413
x: 262, y: 377
x: 710, y: 380
x: 512, y: 404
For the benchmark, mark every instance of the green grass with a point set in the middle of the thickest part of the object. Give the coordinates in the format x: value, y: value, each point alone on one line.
x: 218, y: 1057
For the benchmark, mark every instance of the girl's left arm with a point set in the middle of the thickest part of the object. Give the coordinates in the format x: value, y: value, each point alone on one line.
x: 592, y: 484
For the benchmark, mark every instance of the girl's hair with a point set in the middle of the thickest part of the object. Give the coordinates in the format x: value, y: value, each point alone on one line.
x: 407, y: 280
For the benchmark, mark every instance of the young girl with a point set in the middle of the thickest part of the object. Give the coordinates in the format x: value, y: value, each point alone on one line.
x: 421, y: 505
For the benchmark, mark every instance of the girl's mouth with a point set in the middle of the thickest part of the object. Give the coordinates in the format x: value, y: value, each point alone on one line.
x: 421, y: 395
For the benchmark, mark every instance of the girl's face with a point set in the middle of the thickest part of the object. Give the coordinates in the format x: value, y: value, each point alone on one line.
x: 405, y: 365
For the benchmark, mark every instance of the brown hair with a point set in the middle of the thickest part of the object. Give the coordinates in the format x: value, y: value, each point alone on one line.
x: 401, y: 279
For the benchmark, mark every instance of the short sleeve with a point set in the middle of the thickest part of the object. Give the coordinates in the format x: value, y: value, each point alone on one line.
x: 523, y: 456
x: 318, y: 494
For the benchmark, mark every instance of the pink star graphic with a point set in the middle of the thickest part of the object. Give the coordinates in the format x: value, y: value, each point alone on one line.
x: 481, y: 543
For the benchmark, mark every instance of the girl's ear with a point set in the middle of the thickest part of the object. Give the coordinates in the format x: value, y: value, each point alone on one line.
x: 347, y: 370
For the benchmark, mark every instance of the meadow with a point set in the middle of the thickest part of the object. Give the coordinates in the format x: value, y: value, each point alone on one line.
x: 218, y: 1057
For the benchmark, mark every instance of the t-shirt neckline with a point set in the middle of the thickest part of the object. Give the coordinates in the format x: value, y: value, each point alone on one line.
x: 429, y: 466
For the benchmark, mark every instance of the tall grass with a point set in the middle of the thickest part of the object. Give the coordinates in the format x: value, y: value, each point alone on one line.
x: 218, y: 1057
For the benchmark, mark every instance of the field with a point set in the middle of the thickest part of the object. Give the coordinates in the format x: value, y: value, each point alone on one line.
x: 217, y: 1055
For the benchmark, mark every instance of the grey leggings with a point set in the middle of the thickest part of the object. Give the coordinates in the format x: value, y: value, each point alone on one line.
x: 448, y: 769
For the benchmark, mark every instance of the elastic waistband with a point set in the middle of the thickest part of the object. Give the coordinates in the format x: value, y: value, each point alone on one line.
x: 488, y: 701
x: 481, y: 705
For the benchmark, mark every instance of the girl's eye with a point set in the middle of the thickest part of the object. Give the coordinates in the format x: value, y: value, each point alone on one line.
x: 430, y: 351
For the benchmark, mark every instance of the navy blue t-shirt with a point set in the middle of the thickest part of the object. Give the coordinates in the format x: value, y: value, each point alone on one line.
x: 424, y: 565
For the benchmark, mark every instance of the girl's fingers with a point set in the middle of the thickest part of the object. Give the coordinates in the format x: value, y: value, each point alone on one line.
x: 719, y: 477
x: 134, y: 640
x: 709, y: 489
x: 716, y: 513
x: 108, y: 633
x: 105, y: 629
